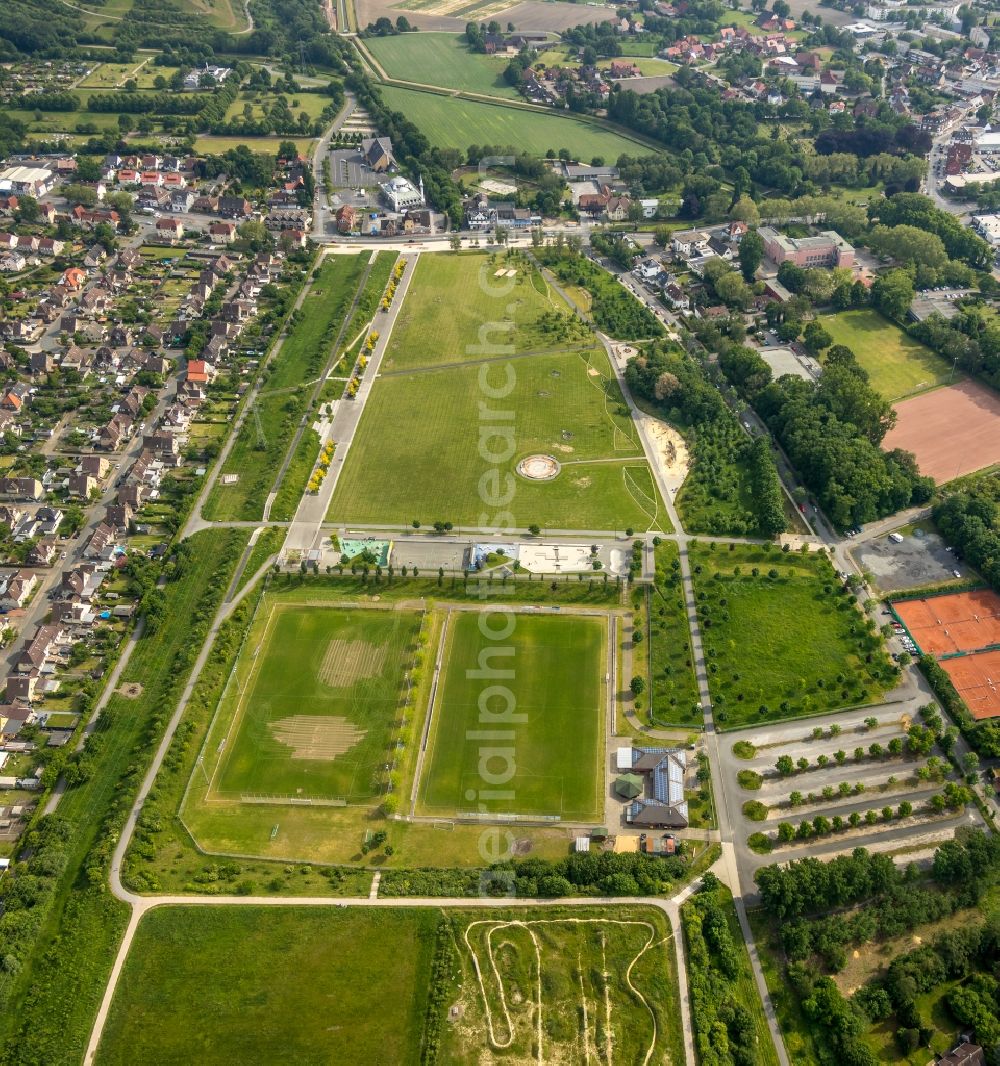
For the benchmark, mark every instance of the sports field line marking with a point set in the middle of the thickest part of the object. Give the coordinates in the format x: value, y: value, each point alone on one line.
x: 500, y: 925
x: 630, y: 484
x: 244, y: 689
x: 617, y: 429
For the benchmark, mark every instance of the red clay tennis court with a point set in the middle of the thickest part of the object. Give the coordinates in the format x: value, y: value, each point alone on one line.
x: 977, y: 680
x: 952, y: 430
x: 960, y: 621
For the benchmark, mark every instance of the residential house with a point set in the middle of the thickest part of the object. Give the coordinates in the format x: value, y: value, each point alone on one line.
x: 222, y: 232
x: 16, y: 589
x: 34, y: 655
x: 172, y: 229
x: 690, y: 242
x: 22, y: 488
x: 81, y: 485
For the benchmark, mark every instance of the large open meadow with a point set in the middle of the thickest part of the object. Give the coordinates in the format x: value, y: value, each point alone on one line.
x: 897, y: 364
x: 450, y: 122
x: 442, y: 59
x: 221, y: 986
x: 315, y: 717
x: 781, y: 637
x: 425, y: 451
x: 461, y: 308
x: 550, y: 701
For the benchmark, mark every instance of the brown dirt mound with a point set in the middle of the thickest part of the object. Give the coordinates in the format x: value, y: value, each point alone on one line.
x: 131, y: 690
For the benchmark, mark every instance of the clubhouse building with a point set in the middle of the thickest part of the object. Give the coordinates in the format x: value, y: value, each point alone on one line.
x: 652, y: 779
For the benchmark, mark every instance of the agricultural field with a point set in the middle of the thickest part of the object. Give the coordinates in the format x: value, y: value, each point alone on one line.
x: 218, y: 985
x: 557, y: 711
x: 781, y: 637
x: 897, y: 364
x: 316, y: 715
x: 441, y: 59
x: 451, y: 296
x: 450, y: 122
x: 425, y: 430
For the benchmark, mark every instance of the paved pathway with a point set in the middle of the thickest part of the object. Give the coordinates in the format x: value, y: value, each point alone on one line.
x: 305, y: 531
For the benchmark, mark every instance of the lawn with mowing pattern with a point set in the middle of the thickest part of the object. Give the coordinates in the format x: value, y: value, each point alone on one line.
x: 897, y: 364
x: 452, y: 298
x: 417, y: 452
x: 220, y: 986
x: 316, y: 715
x: 553, y: 765
x: 442, y: 59
x: 450, y: 122
x: 792, y: 644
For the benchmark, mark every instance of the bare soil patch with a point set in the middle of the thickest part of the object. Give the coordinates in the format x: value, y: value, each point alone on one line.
x: 131, y: 690
x: 320, y: 737
x: 348, y: 661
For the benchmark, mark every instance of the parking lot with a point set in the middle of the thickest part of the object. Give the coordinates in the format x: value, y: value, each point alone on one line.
x: 846, y: 787
x: 919, y: 560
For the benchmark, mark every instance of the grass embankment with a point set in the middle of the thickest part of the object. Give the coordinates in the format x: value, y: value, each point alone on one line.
x: 50, y: 1004
x: 263, y: 440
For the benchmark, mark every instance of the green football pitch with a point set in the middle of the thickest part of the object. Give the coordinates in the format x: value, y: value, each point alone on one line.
x: 315, y: 715
x: 547, y: 759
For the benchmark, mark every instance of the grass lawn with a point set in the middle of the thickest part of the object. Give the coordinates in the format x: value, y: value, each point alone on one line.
x: 211, y: 145
x: 553, y: 759
x: 312, y: 104
x: 218, y: 986
x: 316, y: 715
x: 450, y: 122
x: 650, y: 67
x: 452, y: 297
x: 674, y: 697
x: 782, y: 646
x: 587, y: 957
x: 110, y: 75
x: 442, y: 59
x: 422, y: 431
x: 897, y: 364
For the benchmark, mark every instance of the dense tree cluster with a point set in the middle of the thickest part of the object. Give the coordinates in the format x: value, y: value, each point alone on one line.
x: 724, y: 1029
x: 677, y: 384
x: 913, y: 209
x: 832, y: 432
x: 971, y: 522
x: 615, y: 310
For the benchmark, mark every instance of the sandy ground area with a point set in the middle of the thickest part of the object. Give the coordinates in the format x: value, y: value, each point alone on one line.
x: 672, y: 452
